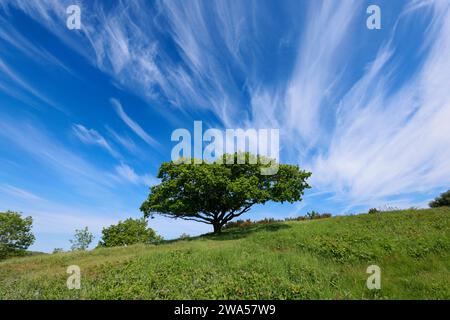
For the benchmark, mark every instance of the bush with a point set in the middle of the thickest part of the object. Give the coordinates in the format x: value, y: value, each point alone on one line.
x: 442, y: 201
x: 239, y: 224
x: 373, y: 210
x: 15, y: 234
x: 248, y: 223
x: 128, y: 232
x: 313, y: 215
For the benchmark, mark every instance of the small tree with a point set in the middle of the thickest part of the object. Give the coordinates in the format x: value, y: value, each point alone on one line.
x: 215, y: 193
x: 82, y: 239
x: 442, y: 201
x: 15, y: 234
x: 312, y: 215
x: 184, y: 236
x: 128, y: 232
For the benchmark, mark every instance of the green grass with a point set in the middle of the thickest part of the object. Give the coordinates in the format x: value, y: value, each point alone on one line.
x: 317, y: 259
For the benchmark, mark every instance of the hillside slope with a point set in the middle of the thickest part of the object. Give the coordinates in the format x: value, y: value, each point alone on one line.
x: 318, y: 259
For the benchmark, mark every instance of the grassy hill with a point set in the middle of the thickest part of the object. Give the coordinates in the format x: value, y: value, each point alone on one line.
x: 317, y: 259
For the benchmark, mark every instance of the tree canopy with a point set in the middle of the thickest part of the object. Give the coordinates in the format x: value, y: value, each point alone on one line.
x: 216, y: 193
x: 442, y: 201
x: 128, y: 232
x: 15, y: 233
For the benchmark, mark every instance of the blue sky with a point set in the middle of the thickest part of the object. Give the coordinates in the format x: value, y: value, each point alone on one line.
x: 86, y: 115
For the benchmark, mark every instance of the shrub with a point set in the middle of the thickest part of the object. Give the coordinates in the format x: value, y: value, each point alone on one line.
x: 248, y: 223
x: 128, y: 232
x: 442, y: 201
x: 266, y: 221
x: 15, y: 234
x: 239, y: 224
x: 300, y: 218
x: 373, y: 210
x: 313, y: 215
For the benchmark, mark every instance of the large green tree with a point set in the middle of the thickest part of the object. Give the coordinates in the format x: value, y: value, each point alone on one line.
x: 128, y: 232
x: 216, y: 193
x: 15, y: 233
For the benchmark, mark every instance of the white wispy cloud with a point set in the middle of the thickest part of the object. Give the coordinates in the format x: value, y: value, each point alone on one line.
x: 128, y: 174
x: 18, y: 192
x: 39, y: 145
x: 318, y: 69
x: 378, y: 142
x: 71, y: 167
x: 26, y: 89
x: 209, y: 39
x: 11, y: 36
x: 121, y: 42
x: 133, y: 125
x: 124, y: 140
x: 387, y: 143
x: 52, y: 15
x: 50, y: 216
x: 91, y: 136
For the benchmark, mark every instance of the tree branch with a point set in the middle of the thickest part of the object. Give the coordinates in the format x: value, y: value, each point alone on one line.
x: 208, y: 221
x: 233, y: 215
x: 197, y: 218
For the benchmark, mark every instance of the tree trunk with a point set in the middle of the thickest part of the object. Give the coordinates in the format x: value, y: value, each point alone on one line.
x: 217, y: 227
